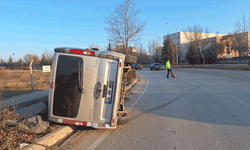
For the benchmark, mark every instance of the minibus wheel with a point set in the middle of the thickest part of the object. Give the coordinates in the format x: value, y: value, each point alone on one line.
x: 130, y: 59
x: 123, y: 119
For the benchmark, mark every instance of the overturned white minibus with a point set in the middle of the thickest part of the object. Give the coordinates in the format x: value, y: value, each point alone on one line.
x: 87, y: 87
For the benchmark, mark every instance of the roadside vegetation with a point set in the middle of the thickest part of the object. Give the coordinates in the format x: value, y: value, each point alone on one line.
x: 11, y: 136
x: 16, y: 82
x: 12, y: 83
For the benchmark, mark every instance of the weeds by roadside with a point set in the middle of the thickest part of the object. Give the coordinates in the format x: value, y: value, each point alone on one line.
x: 131, y: 76
x: 10, y: 134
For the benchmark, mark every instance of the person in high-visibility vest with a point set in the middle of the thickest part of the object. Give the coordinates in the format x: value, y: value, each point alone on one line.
x: 168, y: 67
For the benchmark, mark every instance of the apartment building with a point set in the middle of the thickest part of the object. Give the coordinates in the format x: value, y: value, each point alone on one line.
x: 182, y: 40
x: 243, y: 37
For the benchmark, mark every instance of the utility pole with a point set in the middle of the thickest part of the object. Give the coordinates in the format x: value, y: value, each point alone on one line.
x: 176, y: 40
x: 109, y: 47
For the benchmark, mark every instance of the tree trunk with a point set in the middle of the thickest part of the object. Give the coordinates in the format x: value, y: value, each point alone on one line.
x: 203, y: 60
x: 173, y: 59
x: 126, y: 47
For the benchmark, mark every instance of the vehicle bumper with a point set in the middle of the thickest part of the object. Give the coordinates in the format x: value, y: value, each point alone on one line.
x: 87, y: 124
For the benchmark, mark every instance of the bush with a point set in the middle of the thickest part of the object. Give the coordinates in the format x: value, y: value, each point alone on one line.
x: 131, y: 76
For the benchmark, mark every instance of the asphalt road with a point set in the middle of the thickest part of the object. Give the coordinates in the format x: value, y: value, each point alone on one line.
x: 201, y: 109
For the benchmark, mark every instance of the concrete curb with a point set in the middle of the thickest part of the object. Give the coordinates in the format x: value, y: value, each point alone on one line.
x: 53, y: 137
x: 131, y: 84
x: 28, y: 103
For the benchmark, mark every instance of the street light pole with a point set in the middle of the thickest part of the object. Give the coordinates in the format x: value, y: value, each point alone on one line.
x: 176, y: 40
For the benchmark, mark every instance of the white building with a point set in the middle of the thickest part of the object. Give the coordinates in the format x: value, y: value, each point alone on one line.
x: 183, y: 39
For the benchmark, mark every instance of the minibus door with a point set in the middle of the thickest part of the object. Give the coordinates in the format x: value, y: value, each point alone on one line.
x: 68, y: 86
x: 107, y: 77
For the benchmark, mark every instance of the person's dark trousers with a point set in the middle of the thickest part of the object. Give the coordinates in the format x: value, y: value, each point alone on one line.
x: 169, y: 70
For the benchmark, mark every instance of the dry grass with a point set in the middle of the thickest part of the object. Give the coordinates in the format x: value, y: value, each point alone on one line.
x: 20, y: 80
x: 15, y: 82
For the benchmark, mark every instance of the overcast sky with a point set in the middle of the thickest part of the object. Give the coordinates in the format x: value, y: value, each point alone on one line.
x: 32, y: 26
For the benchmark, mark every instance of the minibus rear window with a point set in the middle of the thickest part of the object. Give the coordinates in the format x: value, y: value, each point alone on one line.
x: 68, y: 86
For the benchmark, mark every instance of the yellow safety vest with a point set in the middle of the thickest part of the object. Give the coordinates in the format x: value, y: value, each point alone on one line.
x: 167, y: 65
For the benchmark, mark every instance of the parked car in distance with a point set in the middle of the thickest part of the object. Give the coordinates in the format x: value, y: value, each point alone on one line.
x: 137, y: 66
x: 156, y: 66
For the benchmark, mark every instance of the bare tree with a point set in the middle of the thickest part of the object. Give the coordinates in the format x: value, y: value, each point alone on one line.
x: 241, y: 43
x: 242, y: 26
x: 158, y: 43
x: 197, y: 35
x: 47, y: 57
x: 48, y: 54
x: 151, y: 51
x: 154, y: 49
x: 142, y: 53
x: 2, y: 60
x: 139, y: 56
x: 28, y: 57
x: 123, y: 26
x: 240, y: 35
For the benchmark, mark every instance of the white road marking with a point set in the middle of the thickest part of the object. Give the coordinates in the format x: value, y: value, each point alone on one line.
x: 99, y: 140
x: 240, y: 101
x: 106, y: 133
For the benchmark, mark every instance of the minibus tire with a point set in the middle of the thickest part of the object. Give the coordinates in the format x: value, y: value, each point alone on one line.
x: 130, y: 59
x: 123, y: 119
